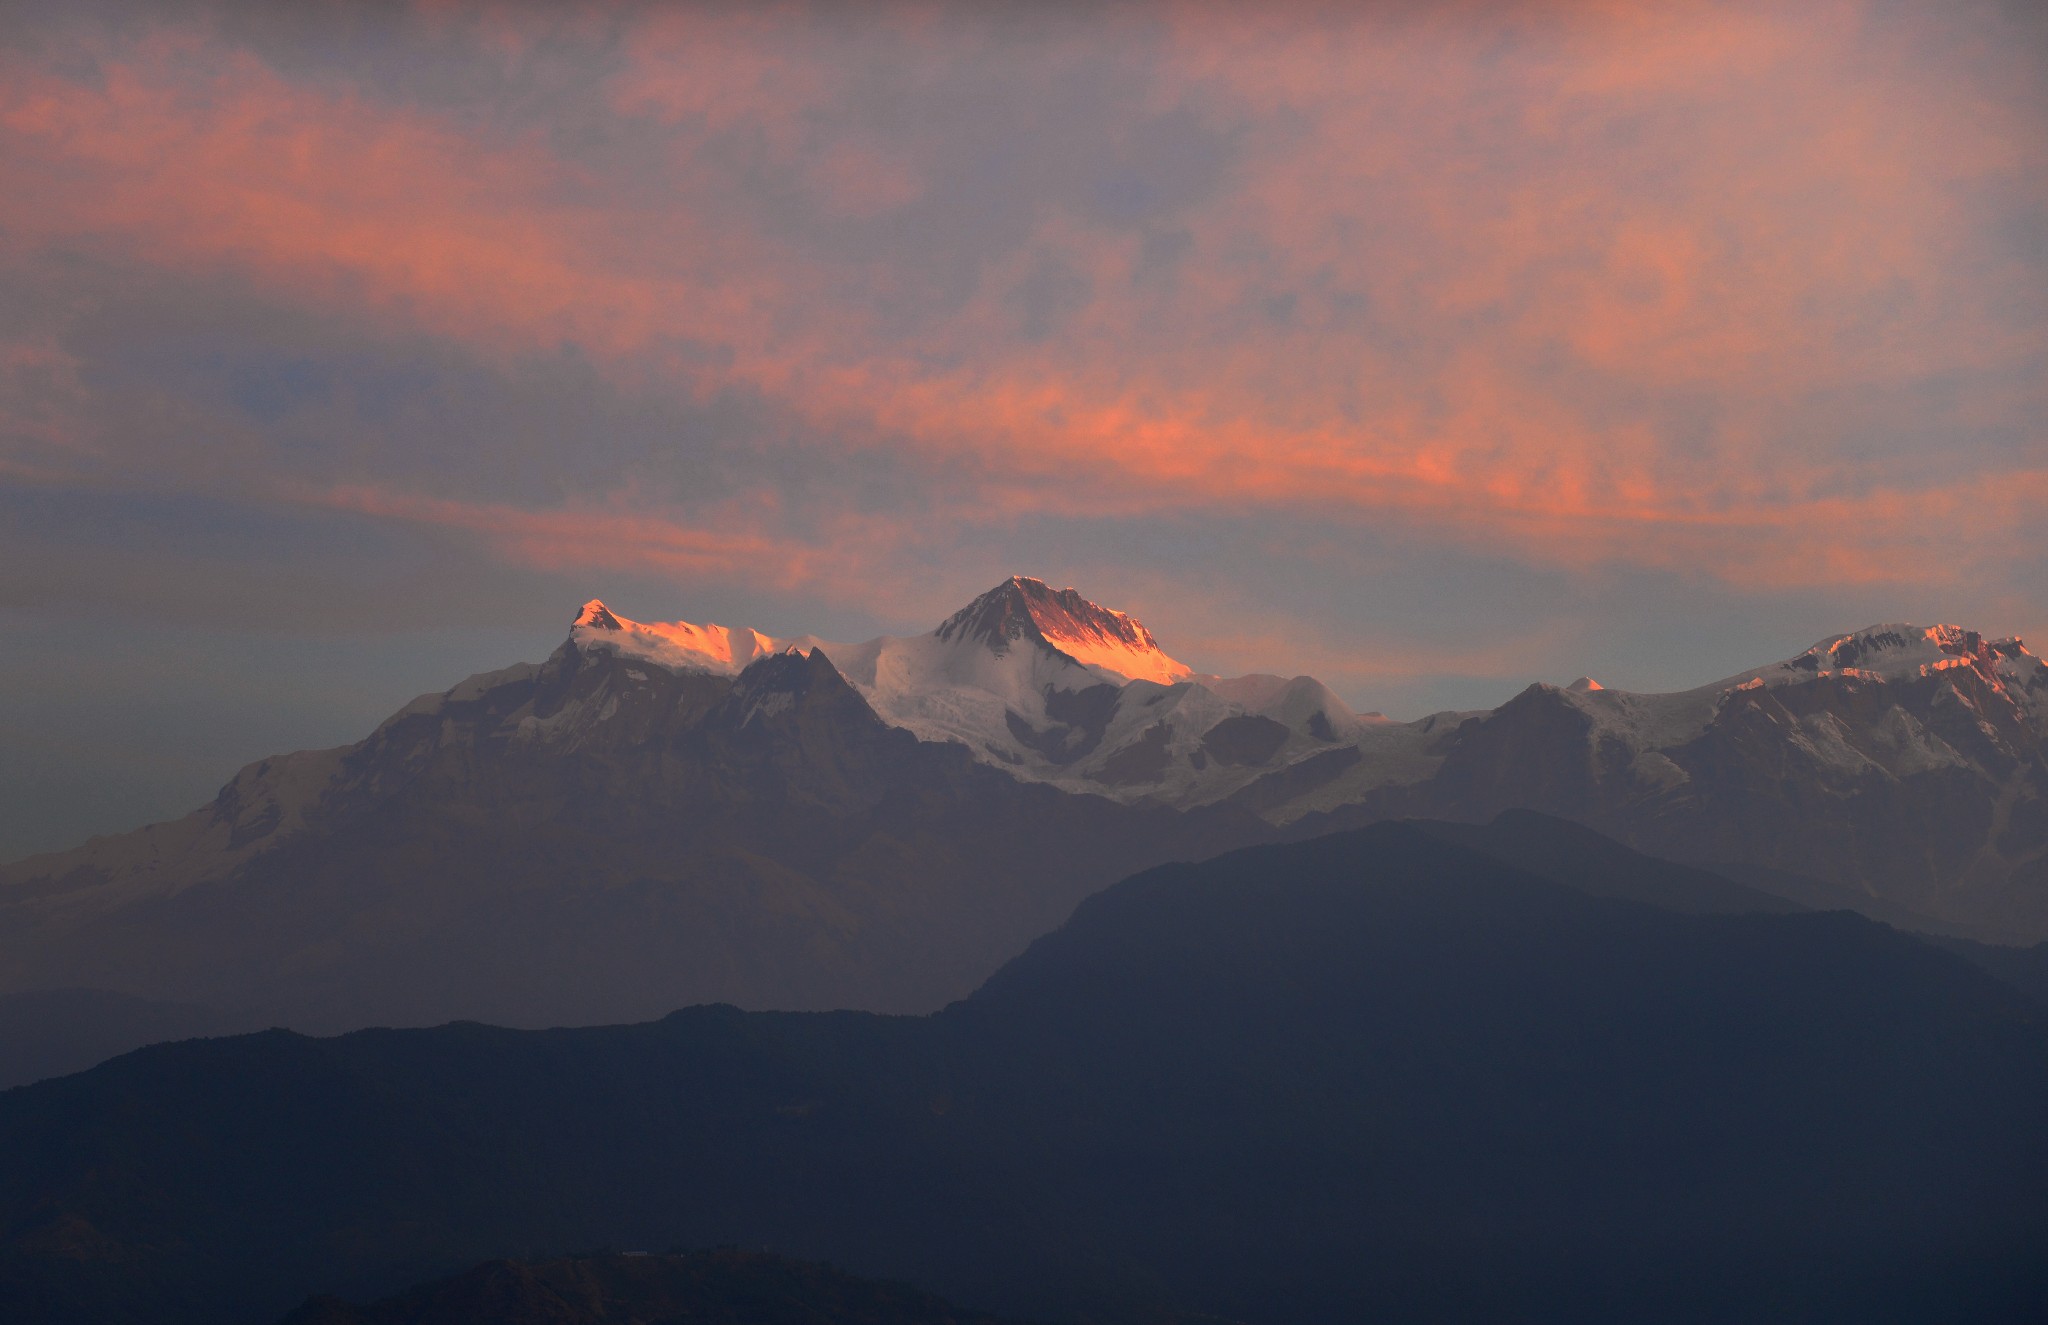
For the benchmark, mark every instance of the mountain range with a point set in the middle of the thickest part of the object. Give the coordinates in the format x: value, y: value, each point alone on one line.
x: 663, y: 814
x: 1377, y: 1075
x: 1902, y: 765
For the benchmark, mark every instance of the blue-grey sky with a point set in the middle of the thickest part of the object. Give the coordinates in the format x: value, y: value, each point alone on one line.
x: 1430, y: 349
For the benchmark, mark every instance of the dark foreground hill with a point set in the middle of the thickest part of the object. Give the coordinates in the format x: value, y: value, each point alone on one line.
x: 1579, y: 858
x: 1375, y: 1076
x: 724, y: 1287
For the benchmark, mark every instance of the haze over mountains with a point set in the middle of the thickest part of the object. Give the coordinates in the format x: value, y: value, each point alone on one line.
x: 671, y: 813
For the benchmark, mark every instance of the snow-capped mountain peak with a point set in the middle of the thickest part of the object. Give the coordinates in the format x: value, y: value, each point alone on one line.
x: 678, y: 645
x: 1891, y: 655
x: 1895, y: 652
x: 1041, y: 682
x: 1095, y: 636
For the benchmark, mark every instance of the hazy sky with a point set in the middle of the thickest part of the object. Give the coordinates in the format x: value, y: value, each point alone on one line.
x: 345, y: 349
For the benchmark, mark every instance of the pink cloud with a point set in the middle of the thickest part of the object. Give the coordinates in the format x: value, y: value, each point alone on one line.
x: 1629, y: 217
x: 191, y: 156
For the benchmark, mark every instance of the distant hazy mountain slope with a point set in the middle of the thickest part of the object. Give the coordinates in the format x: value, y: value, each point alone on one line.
x: 1372, y: 1076
x: 592, y: 840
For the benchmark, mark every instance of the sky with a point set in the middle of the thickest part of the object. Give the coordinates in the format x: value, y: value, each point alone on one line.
x: 345, y: 349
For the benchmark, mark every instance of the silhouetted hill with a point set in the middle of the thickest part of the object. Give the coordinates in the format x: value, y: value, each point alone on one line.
x: 2023, y: 969
x: 1370, y: 1076
x: 1576, y: 856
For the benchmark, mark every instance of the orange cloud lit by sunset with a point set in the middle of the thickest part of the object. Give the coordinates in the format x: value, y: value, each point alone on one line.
x: 1575, y: 285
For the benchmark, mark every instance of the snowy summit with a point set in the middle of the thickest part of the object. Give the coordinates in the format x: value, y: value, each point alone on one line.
x: 1041, y: 682
x: 1061, y: 619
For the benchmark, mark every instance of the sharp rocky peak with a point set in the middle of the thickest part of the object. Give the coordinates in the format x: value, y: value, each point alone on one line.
x: 1024, y: 608
x: 792, y: 668
x: 1896, y: 651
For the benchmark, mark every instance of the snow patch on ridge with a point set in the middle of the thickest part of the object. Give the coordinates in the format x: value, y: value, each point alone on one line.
x: 1899, y: 652
x: 1892, y: 653
x: 676, y: 645
x: 1896, y: 653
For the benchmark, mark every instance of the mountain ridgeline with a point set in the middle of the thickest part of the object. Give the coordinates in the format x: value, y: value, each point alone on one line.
x: 663, y: 814
x: 1380, y: 1075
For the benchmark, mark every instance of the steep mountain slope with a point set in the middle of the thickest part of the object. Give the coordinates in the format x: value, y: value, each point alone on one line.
x: 1905, y: 766
x: 1373, y: 1076
x: 592, y: 839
